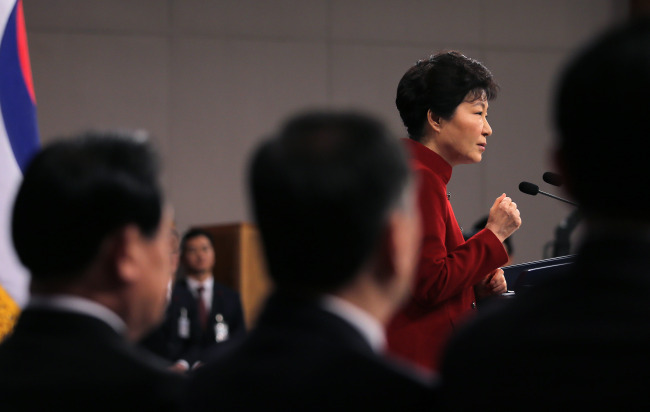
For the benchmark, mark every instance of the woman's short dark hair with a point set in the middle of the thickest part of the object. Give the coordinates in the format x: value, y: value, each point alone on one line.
x: 440, y: 83
x: 78, y: 191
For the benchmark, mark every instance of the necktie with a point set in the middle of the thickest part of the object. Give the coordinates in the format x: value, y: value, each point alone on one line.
x: 203, y: 312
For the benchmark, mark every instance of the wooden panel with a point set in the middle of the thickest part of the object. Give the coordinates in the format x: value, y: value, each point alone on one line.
x: 255, y: 284
x: 226, y: 253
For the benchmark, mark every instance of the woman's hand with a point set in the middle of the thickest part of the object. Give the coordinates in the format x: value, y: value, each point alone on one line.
x: 492, y: 284
x: 504, y: 217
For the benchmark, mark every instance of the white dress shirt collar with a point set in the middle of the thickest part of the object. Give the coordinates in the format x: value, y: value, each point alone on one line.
x: 369, y: 327
x: 208, y: 287
x: 77, y: 304
x: 195, y: 284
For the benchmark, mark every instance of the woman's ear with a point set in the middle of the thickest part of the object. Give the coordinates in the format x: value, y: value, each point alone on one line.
x: 434, y: 121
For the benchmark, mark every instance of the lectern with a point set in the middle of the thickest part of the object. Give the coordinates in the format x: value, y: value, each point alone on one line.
x: 524, y: 275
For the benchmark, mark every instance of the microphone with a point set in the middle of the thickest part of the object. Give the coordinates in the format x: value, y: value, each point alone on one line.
x: 532, y: 189
x: 553, y: 179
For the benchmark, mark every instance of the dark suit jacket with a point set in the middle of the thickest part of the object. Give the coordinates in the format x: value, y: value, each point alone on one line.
x: 167, y: 341
x: 62, y: 361
x: 300, y: 357
x: 226, y: 302
x: 579, y: 340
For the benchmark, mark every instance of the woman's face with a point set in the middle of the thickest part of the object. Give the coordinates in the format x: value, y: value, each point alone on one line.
x: 463, y: 138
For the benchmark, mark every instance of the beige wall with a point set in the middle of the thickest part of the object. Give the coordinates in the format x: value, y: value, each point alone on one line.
x: 209, y: 78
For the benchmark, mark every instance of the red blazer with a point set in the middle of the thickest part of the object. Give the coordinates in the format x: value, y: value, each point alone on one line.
x: 449, y: 267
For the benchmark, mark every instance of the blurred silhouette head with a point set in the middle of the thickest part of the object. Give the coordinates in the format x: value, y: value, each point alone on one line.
x: 601, y: 112
x: 89, y: 219
x: 323, y: 190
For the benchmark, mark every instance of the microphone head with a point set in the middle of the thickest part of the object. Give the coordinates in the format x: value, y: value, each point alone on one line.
x: 553, y: 179
x: 529, y: 188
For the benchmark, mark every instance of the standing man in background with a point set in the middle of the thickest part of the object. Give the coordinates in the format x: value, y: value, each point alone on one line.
x: 177, y: 339
x: 219, y: 310
x: 90, y: 224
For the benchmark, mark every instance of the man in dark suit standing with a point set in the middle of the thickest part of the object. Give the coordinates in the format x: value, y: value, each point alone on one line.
x: 90, y: 224
x: 219, y: 311
x: 335, y: 205
x: 178, y: 338
x: 581, y: 340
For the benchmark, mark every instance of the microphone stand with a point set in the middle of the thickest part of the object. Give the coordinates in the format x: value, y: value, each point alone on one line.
x: 562, y: 243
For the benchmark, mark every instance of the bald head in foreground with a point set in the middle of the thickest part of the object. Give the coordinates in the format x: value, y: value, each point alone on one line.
x: 335, y: 204
x: 581, y: 340
x: 91, y: 225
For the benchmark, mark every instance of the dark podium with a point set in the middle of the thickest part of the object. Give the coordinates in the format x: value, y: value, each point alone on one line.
x: 525, y: 275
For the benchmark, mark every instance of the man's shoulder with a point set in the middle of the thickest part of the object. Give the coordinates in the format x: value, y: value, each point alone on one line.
x: 316, y: 351
x: 181, y: 290
x: 83, y: 336
x: 180, y: 283
x: 310, y: 370
x: 508, y: 315
x: 228, y: 297
x: 565, y: 339
x: 92, y: 357
x: 220, y: 288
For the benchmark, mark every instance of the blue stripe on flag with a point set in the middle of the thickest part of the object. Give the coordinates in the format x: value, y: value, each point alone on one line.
x: 18, y: 110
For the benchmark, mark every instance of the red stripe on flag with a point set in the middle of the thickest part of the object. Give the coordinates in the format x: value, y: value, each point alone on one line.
x: 23, y: 50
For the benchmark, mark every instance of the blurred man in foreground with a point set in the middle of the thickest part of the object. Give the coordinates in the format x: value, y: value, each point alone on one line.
x: 91, y: 226
x: 580, y: 341
x: 335, y: 205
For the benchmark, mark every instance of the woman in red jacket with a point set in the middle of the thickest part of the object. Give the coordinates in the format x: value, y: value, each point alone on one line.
x: 443, y: 102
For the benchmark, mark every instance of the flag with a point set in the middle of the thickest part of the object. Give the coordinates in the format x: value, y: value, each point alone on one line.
x: 18, y: 142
